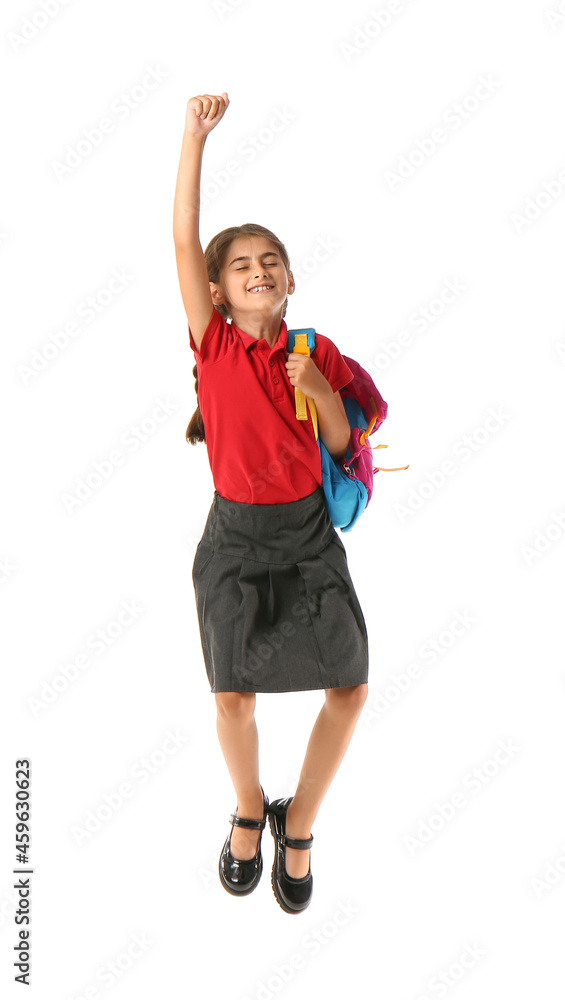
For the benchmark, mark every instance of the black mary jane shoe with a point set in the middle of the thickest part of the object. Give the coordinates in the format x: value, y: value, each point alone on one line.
x: 293, y: 894
x: 241, y: 877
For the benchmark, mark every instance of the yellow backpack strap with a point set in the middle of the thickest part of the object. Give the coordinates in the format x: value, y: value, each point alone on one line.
x: 301, y: 347
x: 313, y: 414
x: 379, y: 468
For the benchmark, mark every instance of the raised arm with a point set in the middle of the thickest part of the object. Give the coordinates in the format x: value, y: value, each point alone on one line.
x: 202, y: 115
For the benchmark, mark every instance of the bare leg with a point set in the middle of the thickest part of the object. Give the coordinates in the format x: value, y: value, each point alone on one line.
x: 328, y: 742
x: 237, y: 733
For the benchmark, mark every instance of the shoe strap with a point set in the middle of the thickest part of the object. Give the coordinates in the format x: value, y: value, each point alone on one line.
x: 250, y: 824
x: 299, y: 845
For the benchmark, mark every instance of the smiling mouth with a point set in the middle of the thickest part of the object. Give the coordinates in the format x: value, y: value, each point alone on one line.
x: 261, y: 288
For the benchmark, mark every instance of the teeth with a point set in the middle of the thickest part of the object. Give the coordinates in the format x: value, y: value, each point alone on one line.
x: 261, y: 288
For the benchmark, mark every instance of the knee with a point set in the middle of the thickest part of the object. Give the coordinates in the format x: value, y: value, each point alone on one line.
x: 349, y: 699
x: 235, y: 705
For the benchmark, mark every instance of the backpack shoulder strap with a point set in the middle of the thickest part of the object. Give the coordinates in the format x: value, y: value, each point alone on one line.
x: 303, y: 342
x: 306, y: 335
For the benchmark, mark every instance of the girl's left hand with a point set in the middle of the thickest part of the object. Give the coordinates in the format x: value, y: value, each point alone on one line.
x: 305, y: 375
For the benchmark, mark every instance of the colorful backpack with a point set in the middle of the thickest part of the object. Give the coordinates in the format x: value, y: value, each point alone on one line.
x: 348, y: 486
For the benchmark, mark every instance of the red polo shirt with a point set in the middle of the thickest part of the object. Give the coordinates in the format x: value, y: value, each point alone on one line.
x: 258, y: 451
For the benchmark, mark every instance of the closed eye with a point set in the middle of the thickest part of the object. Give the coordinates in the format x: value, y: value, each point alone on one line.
x: 274, y: 264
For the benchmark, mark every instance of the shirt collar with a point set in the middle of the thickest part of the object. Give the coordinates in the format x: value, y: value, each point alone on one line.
x: 247, y: 340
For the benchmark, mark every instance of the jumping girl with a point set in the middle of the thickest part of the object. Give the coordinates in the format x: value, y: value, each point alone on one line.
x: 276, y: 606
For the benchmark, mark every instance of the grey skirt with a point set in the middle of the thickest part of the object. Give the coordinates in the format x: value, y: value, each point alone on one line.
x: 276, y: 605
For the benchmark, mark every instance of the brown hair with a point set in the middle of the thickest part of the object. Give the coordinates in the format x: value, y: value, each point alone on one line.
x: 215, y: 256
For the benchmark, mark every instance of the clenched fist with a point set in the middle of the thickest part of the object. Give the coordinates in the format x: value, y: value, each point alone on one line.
x: 204, y: 111
x: 304, y: 374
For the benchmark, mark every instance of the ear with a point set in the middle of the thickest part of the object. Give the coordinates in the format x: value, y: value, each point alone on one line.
x: 217, y: 297
x: 291, y: 283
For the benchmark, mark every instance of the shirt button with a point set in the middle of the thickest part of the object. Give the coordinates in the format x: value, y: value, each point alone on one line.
x: 275, y: 380
x: 271, y: 362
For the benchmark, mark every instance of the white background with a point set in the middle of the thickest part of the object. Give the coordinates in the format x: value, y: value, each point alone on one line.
x: 392, y: 911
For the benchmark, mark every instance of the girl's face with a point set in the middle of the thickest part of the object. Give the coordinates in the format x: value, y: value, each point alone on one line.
x: 252, y: 262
